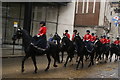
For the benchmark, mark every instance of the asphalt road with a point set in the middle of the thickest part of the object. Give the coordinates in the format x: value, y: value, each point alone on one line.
x: 12, y: 69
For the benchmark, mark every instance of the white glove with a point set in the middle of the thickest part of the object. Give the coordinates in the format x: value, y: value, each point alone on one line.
x: 38, y: 35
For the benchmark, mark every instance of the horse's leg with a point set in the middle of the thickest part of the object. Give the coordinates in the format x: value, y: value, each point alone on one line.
x: 77, y: 59
x: 54, y: 57
x: 78, y: 63
x: 82, y: 61
x: 62, y: 56
x: 111, y: 54
x: 34, y: 62
x: 91, y: 60
x: 70, y: 59
x: 49, y: 60
x: 115, y: 58
x: 23, y: 61
x: 66, y: 61
x: 87, y: 57
x: 107, y: 54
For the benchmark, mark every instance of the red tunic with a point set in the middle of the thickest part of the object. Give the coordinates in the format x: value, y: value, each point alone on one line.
x: 87, y: 37
x: 42, y: 31
x: 73, y: 37
x: 93, y: 38
x: 117, y: 42
x: 107, y: 40
x: 103, y: 40
x: 68, y: 35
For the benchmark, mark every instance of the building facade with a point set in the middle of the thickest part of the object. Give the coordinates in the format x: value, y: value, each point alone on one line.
x: 95, y: 16
x: 58, y: 17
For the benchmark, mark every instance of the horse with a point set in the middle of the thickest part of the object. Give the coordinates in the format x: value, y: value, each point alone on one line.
x: 114, y: 49
x: 101, y: 50
x: 31, y: 51
x: 69, y: 47
x: 82, y: 51
x: 63, y: 46
x: 79, y: 44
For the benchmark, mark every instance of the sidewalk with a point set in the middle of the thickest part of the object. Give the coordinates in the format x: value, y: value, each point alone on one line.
x: 7, y: 51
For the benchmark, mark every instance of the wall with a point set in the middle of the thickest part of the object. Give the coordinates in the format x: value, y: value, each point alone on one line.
x: 66, y: 19
x: 96, y: 30
x: 102, y: 12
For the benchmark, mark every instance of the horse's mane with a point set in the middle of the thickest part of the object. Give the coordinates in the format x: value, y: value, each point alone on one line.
x: 27, y: 38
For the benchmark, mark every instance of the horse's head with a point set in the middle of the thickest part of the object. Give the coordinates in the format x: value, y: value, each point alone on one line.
x: 17, y: 35
x: 98, y: 43
x: 77, y: 38
x: 56, y: 37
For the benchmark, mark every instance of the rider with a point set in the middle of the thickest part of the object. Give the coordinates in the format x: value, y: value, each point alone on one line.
x: 67, y: 34
x: 74, y: 33
x: 42, y: 41
x: 117, y: 42
x: 93, y: 38
x: 103, y: 39
x: 87, y: 36
x: 87, y: 40
x: 108, y: 40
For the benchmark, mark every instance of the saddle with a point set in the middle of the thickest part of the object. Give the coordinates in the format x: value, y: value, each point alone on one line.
x: 89, y: 46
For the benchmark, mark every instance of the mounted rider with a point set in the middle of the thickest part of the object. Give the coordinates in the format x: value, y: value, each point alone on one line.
x: 87, y: 39
x: 103, y: 39
x: 74, y: 34
x: 42, y: 40
x: 67, y: 34
x: 108, y: 40
x: 117, y: 42
x: 93, y: 38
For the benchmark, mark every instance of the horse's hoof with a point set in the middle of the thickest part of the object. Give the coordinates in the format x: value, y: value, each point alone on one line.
x: 55, y: 65
x: 76, y: 61
x: 22, y: 70
x: 115, y: 60
x: 35, y: 72
x: 61, y: 62
x: 89, y: 65
x: 97, y: 62
x: 46, y: 70
x: 82, y: 67
x: 64, y: 65
x: 105, y: 61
